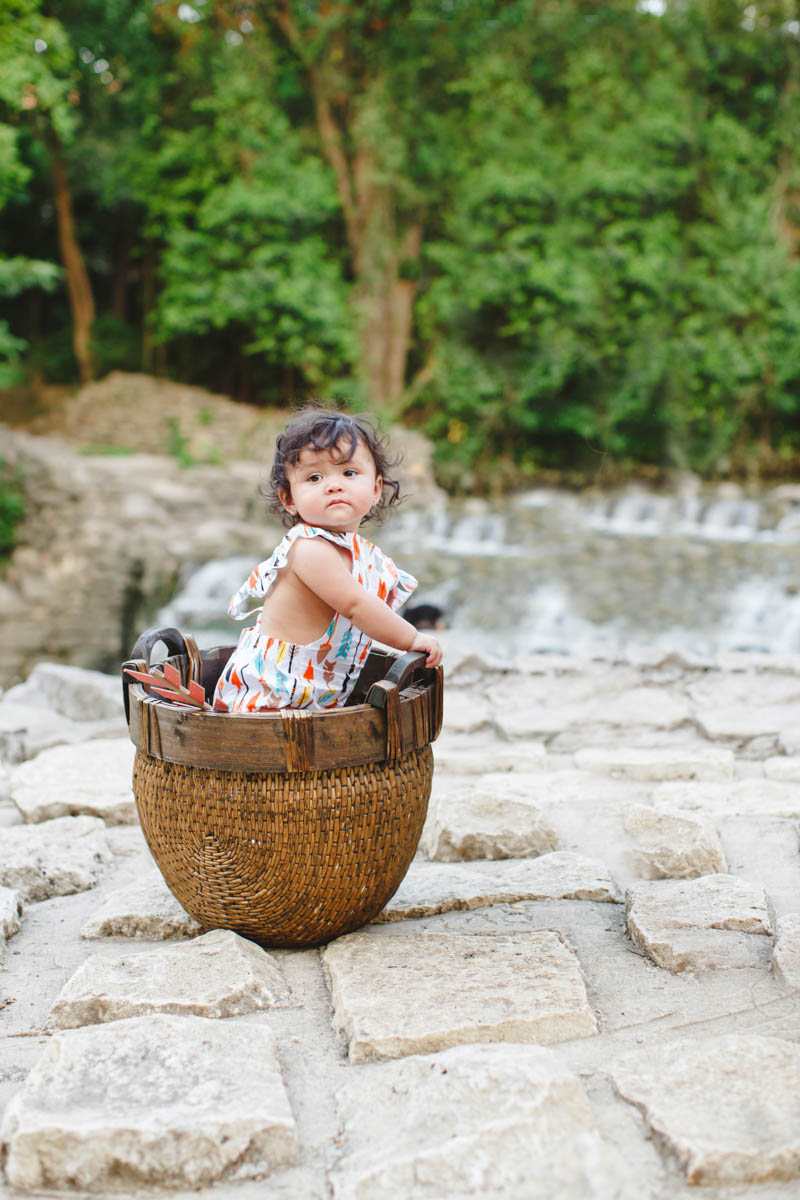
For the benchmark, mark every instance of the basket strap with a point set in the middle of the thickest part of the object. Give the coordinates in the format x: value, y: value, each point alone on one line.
x: 390, y: 703
x: 194, y: 663
x: 298, y: 739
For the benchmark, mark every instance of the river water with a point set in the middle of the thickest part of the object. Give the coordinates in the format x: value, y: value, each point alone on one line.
x: 701, y: 572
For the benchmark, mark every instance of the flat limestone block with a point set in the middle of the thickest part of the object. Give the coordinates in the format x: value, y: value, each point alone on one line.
x: 747, y: 720
x: 151, y: 1102
x: 673, y: 845
x: 783, y: 768
x: 10, y: 914
x: 668, y: 762
x: 492, y: 817
x: 431, y: 888
x: 465, y: 712
x: 93, y: 777
x: 699, y: 924
x: 72, y: 692
x: 490, y: 1122
x: 56, y: 858
x: 786, y: 955
x: 145, y: 909
x: 217, y: 975
x: 641, y: 707
x: 740, y: 797
x: 26, y: 730
x: 416, y: 992
x: 727, y: 1107
x: 460, y: 757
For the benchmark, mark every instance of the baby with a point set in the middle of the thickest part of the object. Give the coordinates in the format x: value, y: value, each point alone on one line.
x: 327, y: 591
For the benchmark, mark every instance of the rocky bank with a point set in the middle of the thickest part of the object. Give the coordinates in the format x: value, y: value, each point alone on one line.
x: 129, y: 486
x: 586, y: 987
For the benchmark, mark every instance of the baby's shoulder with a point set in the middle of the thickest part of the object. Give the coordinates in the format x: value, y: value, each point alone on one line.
x: 317, y: 550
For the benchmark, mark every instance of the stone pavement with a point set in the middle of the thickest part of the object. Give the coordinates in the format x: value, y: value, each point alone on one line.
x: 586, y: 988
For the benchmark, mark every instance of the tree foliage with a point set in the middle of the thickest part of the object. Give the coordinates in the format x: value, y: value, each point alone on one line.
x: 552, y: 234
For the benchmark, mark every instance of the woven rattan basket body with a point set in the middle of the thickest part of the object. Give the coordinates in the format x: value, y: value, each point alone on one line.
x: 290, y: 828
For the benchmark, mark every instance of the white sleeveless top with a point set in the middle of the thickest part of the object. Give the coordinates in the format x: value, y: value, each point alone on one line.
x: 267, y: 673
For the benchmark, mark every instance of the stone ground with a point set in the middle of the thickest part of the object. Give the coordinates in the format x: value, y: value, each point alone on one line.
x: 588, y: 984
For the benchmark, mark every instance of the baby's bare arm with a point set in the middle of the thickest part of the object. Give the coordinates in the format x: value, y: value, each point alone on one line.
x: 320, y: 566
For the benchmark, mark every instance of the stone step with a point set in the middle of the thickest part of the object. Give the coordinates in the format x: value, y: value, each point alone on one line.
x: 662, y: 763
x: 746, y: 797
x: 728, y: 1108
x: 10, y: 917
x: 490, y: 816
x: 431, y: 888
x: 217, y: 975
x: 92, y: 778
x: 145, y: 909
x: 57, y: 858
x: 417, y: 992
x: 700, y: 924
x: 495, y: 1122
x: 671, y: 844
x: 160, y: 1101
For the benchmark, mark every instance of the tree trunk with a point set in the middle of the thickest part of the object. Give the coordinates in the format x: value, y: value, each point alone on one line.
x: 383, y: 299
x: 384, y: 310
x: 79, y: 289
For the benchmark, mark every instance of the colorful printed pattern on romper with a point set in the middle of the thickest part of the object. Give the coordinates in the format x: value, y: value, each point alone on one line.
x: 267, y: 673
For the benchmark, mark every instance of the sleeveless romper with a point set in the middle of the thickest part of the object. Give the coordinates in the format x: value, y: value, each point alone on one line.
x: 266, y: 673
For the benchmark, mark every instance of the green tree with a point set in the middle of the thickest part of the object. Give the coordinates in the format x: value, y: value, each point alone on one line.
x: 37, y: 90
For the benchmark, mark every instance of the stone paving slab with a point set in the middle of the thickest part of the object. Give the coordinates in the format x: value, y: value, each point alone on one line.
x: 728, y: 1108
x: 658, y: 763
x: 748, y: 797
x: 466, y: 712
x: 489, y: 817
x: 10, y: 917
x: 26, y: 730
x: 144, y: 909
x: 700, y: 924
x: 56, y: 858
x: 431, y: 888
x: 672, y: 844
x: 167, y: 1101
x: 217, y: 975
x: 783, y: 768
x: 744, y: 721
x: 643, y: 707
x: 92, y: 778
x: 473, y: 757
x: 786, y: 956
x: 418, y: 1129
x: 416, y: 992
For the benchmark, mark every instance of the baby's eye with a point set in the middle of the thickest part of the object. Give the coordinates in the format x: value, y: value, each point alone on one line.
x: 315, y: 478
x: 351, y: 471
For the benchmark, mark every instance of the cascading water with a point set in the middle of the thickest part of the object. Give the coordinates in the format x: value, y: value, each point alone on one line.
x: 558, y: 572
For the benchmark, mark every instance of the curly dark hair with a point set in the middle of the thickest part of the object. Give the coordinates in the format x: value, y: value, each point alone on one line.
x: 318, y: 428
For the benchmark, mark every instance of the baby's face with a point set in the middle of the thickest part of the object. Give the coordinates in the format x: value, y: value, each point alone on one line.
x: 331, y: 491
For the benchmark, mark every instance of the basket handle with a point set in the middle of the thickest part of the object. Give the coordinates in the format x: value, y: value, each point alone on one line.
x: 172, y: 639
x: 140, y: 655
x: 385, y: 694
x: 396, y: 678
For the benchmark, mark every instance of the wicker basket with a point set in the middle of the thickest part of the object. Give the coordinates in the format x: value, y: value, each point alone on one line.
x: 290, y: 828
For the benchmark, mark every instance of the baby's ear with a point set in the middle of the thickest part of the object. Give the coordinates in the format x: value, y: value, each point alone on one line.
x: 286, y: 500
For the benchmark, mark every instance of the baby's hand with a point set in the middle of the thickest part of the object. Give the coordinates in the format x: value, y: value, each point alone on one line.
x: 430, y: 646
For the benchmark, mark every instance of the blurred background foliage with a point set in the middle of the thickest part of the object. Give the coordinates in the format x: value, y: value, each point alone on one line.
x: 556, y: 235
